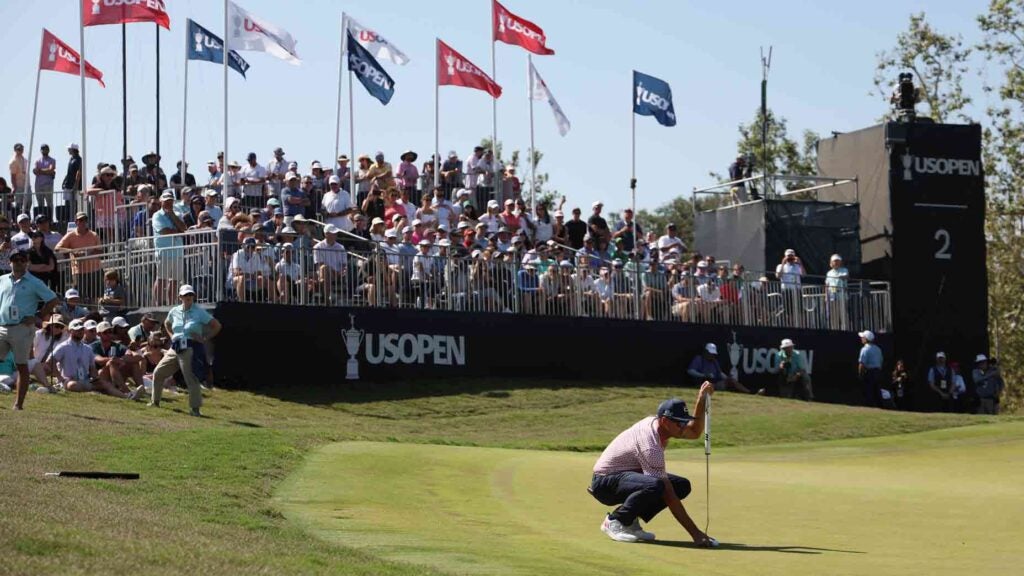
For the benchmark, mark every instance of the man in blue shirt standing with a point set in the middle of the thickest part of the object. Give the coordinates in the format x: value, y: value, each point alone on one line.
x: 20, y: 296
x: 869, y: 367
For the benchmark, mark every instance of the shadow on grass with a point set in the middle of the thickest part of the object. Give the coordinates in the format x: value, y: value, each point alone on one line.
x: 745, y: 548
x: 368, y: 392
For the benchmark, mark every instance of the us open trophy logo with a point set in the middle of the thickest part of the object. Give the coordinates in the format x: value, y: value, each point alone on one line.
x: 501, y: 23
x: 639, y: 92
x: 353, y: 338
x: 95, y: 7
x: 450, y: 60
x: 735, y: 353
x: 199, y: 41
x: 908, y: 161
x: 237, y: 30
x: 53, y: 52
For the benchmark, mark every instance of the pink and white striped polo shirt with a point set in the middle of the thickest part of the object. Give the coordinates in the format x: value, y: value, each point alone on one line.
x: 637, y: 449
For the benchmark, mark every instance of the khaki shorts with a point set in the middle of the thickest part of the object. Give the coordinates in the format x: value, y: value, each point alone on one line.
x: 17, y: 337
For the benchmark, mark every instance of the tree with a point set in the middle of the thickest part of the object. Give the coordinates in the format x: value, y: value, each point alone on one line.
x: 937, y: 61
x: 543, y: 195
x: 785, y: 155
x: 1003, y: 46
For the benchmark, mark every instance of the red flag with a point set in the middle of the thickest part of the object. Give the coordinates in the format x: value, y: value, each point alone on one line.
x: 453, y: 69
x: 512, y: 29
x: 59, y: 57
x: 99, y: 12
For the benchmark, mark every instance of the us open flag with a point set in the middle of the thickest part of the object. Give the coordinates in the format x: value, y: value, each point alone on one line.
x: 99, y: 12
x: 453, y: 69
x: 539, y: 91
x: 369, y: 71
x: 653, y: 97
x: 254, y: 34
x: 59, y: 57
x: 208, y: 47
x: 374, y: 43
x: 512, y: 29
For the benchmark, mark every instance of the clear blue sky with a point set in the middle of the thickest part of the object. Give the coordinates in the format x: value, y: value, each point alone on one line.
x: 708, y: 52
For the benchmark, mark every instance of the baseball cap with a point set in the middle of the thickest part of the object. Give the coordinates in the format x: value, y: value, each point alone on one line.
x: 188, y: 289
x: 492, y: 204
x: 71, y: 293
x: 790, y: 252
x: 119, y: 322
x: 103, y: 327
x: 786, y: 343
x: 250, y: 241
x: 334, y: 180
x: 81, y: 215
x: 980, y: 358
x: 392, y: 233
x: 330, y: 229
x: 76, y: 324
x: 940, y: 355
x: 559, y: 214
x: 407, y: 230
x: 291, y: 176
x: 289, y: 231
x: 710, y: 348
x: 444, y: 243
x: 376, y: 220
x: 867, y: 335
x: 835, y: 257
x: 167, y: 195
x: 210, y: 192
x: 89, y: 324
x: 674, y: 409
x: 72, y: 146
x: 24, y: 218
x: 425, y: 242
x: 42, y: 218
x: 273, y: 202
x: 288, y: 246
x: 596, y: 204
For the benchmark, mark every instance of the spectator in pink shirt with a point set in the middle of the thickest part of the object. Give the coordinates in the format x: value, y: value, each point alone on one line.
x: 407, y: 175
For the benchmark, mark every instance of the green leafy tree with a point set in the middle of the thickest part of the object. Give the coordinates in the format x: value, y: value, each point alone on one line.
x: 785, y: 155
x: 1003, y: 48
x: 937, y: 61
x: 544, y: 194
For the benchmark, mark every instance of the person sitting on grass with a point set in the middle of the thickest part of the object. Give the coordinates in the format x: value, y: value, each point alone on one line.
x: 705, y: 366
x: 111, y: 362
x: 8, y: 373
x: 77, y: 367
x: 631, y: 475
x: 46, y: 340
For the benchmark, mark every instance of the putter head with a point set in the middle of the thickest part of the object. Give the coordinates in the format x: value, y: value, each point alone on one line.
x: 710, y: 543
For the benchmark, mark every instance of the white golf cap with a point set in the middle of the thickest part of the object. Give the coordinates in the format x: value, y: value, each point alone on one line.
x: 417, y: 222
x: 790, y: 252
x: 315, y: 165
x: 462, y: 193
x: 940, y: 355
x: 71, y: 293
x: 444, y: 243
x: 786, y: 343
x: 186, y: 289
x: 210, y: 192
x: 425, y: 242
x: 835, y: 257
x: 291, y: 176
x: 330, y: 229
x: 492, y: 204
x: 710, y: 348
x: 76, y: 324
x: 596, y: 204
x: 231, y: 201
x: 980, y: 358
x: 334, y: 180
x: 103, y: 327
x: 72, y: 146
x: 119, y: 322
x: 167, y: 195
x: 559, y: 214
x: 89, y: 324
x: 392, y: 233
x: 24, y: 218
x: 377, y: 220
x: 867, y: 335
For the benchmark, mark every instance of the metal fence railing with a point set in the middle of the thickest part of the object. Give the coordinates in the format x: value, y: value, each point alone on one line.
x: 393, y: 275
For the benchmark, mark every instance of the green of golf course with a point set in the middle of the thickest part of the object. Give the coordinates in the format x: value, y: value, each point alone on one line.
x: 936, y: 502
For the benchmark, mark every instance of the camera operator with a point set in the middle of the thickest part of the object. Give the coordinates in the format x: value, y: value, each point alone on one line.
x: 738, y: 170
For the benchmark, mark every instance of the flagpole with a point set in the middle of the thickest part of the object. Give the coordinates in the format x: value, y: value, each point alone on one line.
x: 157, y: 27
x: 632, y: 178
x: 533, y: 153
x: 225, y: 173
x: 124, y: 93
x: 351, y: 142
x: 341, y: 68
x: 437, y: 107
x: 32, y: 132
x: 81, y: 75
x: 494, y: 102
x: 184, y: 113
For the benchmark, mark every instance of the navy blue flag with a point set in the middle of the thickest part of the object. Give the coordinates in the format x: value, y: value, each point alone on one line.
x: 205, y: 45
x: 369, y: 71
x: 653, y: 97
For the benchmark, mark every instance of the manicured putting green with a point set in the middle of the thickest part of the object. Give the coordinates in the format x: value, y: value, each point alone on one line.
x: 940, y: 502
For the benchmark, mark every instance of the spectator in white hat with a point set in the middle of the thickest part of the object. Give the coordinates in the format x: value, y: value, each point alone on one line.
x: 337, y: 205
x: 250, y: 273
x: 290, y: 281
x: 381, y: 173
x: 793, y: 371
x: 492, y: 219
x: 71, y: 309
x: 112, y: 364
x: 790, y: 270
x: 169, y: 253
x: 294, y: 198
x: 940, y: 380
x: 869, y: 367
x: 76, y: 364
x: 988, y: 384
x: 705, y: 368
x: 52, y: 334
x: 451, y: 174
x: 253, y: 179
x: 835, y: 285
x: 276, y: 171
x: 331, y: 260
x: 190, y: 327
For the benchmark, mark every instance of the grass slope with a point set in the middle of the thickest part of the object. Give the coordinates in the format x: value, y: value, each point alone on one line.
x: 943, y: 502
x: 204, y: 501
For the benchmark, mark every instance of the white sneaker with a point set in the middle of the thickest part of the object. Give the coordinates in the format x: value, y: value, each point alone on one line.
x: 616, y: 531
x: 137, y: 393
x: 640, y: 533
x: 4, y: 387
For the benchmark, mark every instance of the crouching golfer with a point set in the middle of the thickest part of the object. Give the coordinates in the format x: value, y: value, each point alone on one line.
x: 631, y: 473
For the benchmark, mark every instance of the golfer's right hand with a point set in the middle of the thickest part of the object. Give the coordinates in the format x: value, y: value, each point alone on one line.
x: 706, y: 388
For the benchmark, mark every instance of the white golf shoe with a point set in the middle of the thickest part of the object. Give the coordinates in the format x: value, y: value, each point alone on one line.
x: 640, y: 533
x: 616, y: 531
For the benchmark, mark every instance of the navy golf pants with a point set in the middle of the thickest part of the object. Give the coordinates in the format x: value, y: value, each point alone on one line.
x: 637, y: 495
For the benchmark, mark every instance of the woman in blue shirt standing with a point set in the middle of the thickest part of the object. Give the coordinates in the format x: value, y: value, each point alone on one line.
x: 190, y: 327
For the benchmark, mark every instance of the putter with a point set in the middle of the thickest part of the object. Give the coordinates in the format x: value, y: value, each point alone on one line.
x: 712, y: 543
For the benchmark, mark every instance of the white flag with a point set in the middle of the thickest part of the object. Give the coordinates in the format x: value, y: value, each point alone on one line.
x: 375, y: 43
x: 539, y: 91
x: 250, y: 32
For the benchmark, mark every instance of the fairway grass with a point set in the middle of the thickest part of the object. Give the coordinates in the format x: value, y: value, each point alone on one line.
x: 204, y: 501
x: 943, y: 502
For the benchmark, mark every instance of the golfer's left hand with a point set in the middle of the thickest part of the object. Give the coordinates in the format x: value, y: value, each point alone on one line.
x: 707, y: 388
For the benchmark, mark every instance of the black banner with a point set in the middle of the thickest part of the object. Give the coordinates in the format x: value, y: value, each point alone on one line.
x: 267, y: 345
x: 940, y: 285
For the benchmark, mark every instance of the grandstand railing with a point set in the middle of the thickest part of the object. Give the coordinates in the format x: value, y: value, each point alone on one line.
x: 365, y: 275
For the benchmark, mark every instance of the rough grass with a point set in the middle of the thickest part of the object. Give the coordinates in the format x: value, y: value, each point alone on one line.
x: 204, y: 501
